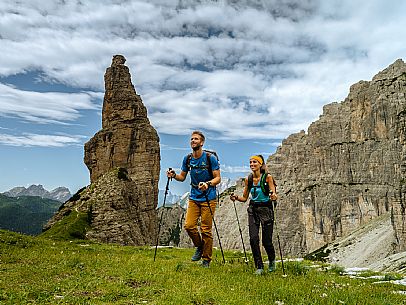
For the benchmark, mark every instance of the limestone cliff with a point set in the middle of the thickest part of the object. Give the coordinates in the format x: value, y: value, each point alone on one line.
x: 123, y: 161
x: 346, y: 170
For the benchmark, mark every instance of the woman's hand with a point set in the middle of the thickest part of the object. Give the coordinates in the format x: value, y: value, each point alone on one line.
x: 233, y: 197
x: 273, y: 196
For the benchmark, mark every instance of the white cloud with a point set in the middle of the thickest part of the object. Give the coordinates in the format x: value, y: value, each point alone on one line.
x: 241, y: 69
x: 170, y: 147
x: 44, y: 107
x: 234, y: 169
x: 30, y: 140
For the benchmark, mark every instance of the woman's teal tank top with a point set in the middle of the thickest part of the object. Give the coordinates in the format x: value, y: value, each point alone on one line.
x: 256, y: 193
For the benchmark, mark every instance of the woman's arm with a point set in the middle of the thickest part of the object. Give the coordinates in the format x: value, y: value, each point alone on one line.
x: 272, y: 187
x: 244, y: 197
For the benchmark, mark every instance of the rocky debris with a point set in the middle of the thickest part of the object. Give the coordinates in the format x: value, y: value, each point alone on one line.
x: 366, y: 247
x: 60, y: 193
x: 124, y: 163
x: 348, y: 169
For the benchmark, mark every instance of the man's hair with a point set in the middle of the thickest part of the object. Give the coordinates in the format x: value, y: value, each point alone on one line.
x: 200, y: 134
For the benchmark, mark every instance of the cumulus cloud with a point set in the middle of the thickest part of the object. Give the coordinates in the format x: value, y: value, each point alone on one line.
x: 241, y: 69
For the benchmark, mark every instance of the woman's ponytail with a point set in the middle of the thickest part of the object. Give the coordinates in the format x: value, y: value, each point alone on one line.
x: 263, y: 166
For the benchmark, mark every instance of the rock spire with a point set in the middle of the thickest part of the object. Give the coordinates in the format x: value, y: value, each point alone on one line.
x: 123, y: 159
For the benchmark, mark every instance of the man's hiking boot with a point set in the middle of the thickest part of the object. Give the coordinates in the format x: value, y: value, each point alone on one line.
x: 198, y: 254
x: 205, y: 264
x: 272, y: 266
x: 259, y: 271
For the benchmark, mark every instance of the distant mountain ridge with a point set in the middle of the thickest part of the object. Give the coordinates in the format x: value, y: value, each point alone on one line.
x: 170, y: 198
x: 26, y: 214
x: 60, y: 194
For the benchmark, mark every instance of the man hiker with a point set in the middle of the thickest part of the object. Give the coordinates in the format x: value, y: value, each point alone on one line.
x: 204, y: 171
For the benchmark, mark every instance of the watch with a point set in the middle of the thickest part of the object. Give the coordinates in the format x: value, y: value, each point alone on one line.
x: 208, y: 183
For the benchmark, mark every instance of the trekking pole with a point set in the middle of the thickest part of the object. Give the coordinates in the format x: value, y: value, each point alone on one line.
x: 215, y: 226
x: 163, y: 209
x: 239, y: 227
x: 277, y: 235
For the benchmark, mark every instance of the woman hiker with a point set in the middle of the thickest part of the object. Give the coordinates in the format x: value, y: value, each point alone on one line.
x: 262, y: 188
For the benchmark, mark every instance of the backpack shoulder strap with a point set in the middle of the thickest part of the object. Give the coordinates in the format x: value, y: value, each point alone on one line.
x: 264, y: 184
x: 250, y: 181
x: 208, y: 160
x: 189, y: 156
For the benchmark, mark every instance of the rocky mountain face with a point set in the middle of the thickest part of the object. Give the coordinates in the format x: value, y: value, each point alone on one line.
x: 123, y: 161
x: 170, y: 198
x: 60, y: 193
x: 348, y: 169
x: 172, y: 223
x: 225, y: 184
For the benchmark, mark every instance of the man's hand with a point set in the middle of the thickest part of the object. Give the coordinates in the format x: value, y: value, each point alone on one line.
x: 170, y: 173
x: 203, y: 186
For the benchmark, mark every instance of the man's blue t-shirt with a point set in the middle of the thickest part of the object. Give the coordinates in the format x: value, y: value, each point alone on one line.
x: 198, y: 173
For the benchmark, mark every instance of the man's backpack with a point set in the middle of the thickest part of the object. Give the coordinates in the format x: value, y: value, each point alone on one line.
x: 208, y: 161
x: 264, y: 185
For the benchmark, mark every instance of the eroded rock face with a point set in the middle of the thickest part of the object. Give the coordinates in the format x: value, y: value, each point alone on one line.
x: 346, y: 170
x: 122, y: 210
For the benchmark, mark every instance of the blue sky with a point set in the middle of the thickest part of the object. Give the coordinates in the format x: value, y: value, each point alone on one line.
x: 248, y: 73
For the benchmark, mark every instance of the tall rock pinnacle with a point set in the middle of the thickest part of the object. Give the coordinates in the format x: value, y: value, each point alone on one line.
x: 123, y: 161
x: 127, y: 139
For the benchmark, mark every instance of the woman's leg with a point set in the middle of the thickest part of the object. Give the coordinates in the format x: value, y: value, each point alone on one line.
x: 267, y: 219
x: 253, y: 228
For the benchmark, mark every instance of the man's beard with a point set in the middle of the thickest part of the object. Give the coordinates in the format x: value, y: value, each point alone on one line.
x: 196, y: 148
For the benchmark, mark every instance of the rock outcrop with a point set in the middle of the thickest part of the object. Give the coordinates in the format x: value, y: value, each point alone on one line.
x: 123, y: 161
x: 346, y: 170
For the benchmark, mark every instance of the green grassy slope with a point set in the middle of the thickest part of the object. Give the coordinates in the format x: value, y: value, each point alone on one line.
x: 35, y: 270
x: 26, y: 214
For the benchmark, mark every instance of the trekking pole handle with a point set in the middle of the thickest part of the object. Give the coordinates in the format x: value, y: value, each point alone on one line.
x: 170, y: 170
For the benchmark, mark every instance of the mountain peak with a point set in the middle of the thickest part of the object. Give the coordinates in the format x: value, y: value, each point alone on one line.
x: 60, y: 193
